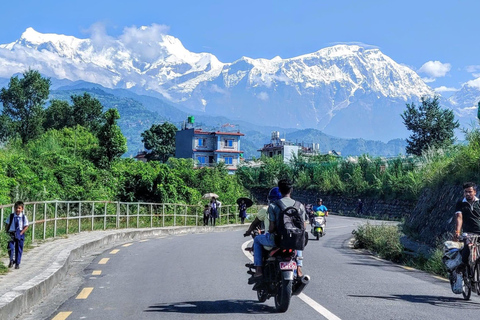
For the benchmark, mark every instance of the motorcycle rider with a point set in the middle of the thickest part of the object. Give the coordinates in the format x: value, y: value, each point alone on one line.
x: 266, y: 239
x: 285, y: 187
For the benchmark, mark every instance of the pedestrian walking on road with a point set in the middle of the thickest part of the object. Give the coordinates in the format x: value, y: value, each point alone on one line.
x: 360, y: 206
x: 16, y: 225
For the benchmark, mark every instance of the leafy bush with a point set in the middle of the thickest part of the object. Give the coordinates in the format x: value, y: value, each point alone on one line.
x: 383, y: 239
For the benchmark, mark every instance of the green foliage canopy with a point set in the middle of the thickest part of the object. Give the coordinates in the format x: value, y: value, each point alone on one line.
x: 23, y: 103
x: 58, y: 115
x: 431, y: 126
x: 87, y: 111
x: 111, y: 140
x: 160, y: 140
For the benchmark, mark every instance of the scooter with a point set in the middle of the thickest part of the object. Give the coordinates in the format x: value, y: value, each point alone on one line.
x: 318, y: 223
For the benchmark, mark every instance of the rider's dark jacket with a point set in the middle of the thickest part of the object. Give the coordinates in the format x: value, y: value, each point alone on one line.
x: 470, y: 215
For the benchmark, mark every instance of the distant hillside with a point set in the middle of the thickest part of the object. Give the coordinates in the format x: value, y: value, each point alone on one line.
x: 348, y: 147
x: 135, y: 118
x: 137, y: 115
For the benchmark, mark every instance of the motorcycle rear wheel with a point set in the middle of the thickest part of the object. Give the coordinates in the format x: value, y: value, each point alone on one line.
x: 283, y: 296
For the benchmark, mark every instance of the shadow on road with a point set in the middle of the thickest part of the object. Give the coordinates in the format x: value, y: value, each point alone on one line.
x: 213, y: 307
x: 439, y: 301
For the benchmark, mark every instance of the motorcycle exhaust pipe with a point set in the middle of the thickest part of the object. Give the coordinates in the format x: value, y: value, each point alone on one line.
x: 301, y: 284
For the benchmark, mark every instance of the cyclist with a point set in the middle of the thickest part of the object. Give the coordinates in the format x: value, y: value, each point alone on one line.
x: 467, y: 213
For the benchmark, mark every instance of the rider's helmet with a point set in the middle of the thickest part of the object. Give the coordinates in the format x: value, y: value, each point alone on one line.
x: 274, y: 195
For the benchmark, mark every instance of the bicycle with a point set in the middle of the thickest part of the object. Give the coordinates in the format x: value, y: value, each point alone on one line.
x: 471, y: 272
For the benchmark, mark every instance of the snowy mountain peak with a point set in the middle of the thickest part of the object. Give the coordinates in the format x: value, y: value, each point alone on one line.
x: 319, y: 89
x: 33, y: 37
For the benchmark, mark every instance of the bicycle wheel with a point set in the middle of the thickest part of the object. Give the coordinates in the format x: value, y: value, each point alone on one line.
x: 467, y: 290
x: 476, y: 278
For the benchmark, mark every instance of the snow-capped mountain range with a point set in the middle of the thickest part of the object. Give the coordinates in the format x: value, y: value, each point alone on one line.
x: 345, y: 90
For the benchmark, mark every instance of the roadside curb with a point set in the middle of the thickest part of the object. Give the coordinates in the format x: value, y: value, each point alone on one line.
x: 21, y: 298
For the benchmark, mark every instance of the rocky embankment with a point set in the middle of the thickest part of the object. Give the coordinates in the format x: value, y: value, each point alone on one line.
x: 427, y: 221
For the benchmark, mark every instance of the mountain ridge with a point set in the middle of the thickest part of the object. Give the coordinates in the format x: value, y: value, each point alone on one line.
x: 344, y: 90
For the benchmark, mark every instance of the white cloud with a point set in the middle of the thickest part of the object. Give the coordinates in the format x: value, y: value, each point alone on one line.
x: 144, y: 41
x: 473, y: 68
x: 356, y: 43
x: 263, y: 96
x: 428, y: 80
x: 445, y: 89
x: 474, y: 83
x: 435, y: 69
x: 99, y: 37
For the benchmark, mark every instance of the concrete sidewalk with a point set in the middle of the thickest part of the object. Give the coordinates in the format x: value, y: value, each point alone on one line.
x: 46, y: 264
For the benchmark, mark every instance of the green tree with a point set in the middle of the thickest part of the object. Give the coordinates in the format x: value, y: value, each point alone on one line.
x: 431, y: 126
x: 160, y: 140
x: 5, y: 128
x: 88, y: 112
x: 23, y: 103
x: 58, y: 115
x: 110, y: 138
x: 478, y: 111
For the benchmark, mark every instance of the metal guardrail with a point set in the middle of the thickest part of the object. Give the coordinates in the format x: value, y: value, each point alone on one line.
x: 56, y: 218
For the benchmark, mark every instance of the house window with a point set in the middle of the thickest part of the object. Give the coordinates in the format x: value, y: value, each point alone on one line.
x: 202, y: 160
x: 201, y: 142
x: 228, y: 160
x: 229, y: 143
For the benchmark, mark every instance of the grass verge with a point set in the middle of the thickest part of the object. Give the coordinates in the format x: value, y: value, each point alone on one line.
x: 384, y: 241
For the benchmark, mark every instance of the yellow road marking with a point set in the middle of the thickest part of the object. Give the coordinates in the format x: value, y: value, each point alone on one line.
x: 408, y: 268
x: 62, y: 315
x: 114, y: 251
x: 96, y: 272
x: 84, y: 293
x: 127, y: 244
x: 144, y: 240
x: 103, y: 261
x: 440, y: 278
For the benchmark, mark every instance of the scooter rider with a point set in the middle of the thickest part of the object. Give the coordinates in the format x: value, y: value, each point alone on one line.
x: 319, y: 208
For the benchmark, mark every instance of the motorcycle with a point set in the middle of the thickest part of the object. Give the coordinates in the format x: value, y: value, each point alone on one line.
x: 280, y: 278
x: 318, y: 223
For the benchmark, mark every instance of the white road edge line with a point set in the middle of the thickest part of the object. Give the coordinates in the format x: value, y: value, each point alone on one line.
x: 312, y: 303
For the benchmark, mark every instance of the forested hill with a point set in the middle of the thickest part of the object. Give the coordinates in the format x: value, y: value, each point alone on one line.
x: 137, y: 115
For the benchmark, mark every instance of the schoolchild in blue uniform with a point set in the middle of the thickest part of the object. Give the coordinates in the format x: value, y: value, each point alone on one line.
x: 17, y: 225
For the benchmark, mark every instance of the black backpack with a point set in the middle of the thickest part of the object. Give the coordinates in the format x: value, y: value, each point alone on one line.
x: 290, y: 227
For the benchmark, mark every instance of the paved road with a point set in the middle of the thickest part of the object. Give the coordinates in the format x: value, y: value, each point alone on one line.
x: 202, y: 276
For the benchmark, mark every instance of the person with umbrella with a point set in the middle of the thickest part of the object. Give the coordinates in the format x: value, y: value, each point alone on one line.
x: 214, y: 205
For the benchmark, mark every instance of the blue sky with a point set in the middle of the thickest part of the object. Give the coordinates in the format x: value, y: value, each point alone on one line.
x: 438, y: 39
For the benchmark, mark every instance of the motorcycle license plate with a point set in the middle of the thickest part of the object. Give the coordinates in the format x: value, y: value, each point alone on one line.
x: 288, y: 265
